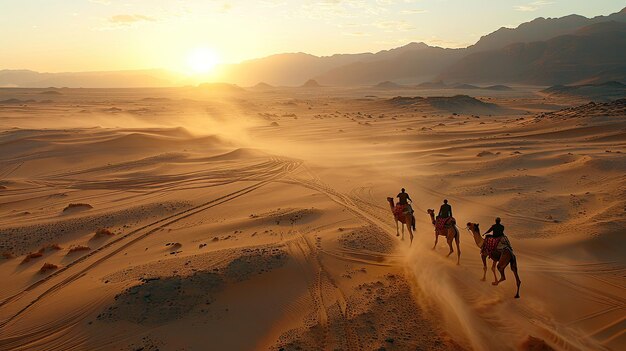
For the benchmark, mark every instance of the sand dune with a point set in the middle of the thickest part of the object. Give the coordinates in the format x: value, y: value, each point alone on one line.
x: 196, y: 222
x: 456, y: 104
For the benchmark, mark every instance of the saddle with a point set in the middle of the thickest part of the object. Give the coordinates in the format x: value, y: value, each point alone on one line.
x: 401, y: 210
x: 442, y: 223
x: 492, y: 245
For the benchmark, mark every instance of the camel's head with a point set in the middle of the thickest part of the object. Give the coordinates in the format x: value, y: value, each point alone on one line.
x: 390, y: 199
x: 430, y: 211
x: 473, y: 227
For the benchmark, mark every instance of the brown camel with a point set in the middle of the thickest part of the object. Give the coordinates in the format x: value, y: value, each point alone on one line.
x: 502, y: 258
x: 451, y: 233
x: 407, y: 220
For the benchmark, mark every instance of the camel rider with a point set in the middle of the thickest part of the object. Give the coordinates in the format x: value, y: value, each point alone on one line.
x: 403, y: 199
x: 498, y: 232
x: 445, y: 211
x: 497, y: 229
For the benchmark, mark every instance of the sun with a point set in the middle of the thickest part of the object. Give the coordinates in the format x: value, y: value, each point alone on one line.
x: 202, y: 60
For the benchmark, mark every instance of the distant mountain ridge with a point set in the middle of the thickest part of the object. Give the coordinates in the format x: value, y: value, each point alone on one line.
x: 540, y: 29
x: 566, y: 50
x: 566, y: 59
x: 417, y: 62
x: 410, y: 66
x: 430, y: 64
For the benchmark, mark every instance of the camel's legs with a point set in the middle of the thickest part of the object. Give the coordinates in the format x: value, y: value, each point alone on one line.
x: 484, y: 258
x: 403, y: 231
x: 505, y: 258
x: 449, y: 241
x: 397, y: 228
x: 493, y: 269
x: 436, y: 240
x: 457, y: 240
x: 502, y: 275
x: 514, y: 269
x: 409, y: 221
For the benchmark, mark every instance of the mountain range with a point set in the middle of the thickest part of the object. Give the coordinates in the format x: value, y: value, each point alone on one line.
x: 593, y: 53
x: 567, y: 50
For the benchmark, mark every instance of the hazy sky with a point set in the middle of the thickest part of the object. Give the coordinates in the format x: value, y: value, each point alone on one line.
x: 79, y: 35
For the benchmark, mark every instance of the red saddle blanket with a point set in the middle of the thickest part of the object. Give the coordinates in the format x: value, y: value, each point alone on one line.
x: 441, y: 223
x: 490, y: 245
x: 398, y: 211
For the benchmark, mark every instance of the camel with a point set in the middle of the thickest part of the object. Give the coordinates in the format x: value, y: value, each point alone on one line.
x: 451, y: 233
x: 408, y: 220
x: 501, y: 258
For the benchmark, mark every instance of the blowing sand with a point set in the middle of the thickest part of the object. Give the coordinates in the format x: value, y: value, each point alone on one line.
x: 258, y: 220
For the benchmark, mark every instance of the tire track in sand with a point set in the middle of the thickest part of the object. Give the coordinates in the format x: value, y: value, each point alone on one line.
x: 326, y: 294
x: 284, y: 167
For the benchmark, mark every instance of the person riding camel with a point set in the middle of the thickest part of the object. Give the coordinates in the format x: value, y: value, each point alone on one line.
x: 497, y: 229
x: 403, y: 197
x: 444, y: 218
x: 403, y: 208
x: 496, y: 241
x: 403, y: 211
x: 403, y: 200
x: 445, y: 211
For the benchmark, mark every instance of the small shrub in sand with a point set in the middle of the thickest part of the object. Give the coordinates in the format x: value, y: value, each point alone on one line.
x: 174, y: 246
x: 78, y: 248
x: 77, y: 206
x: 103, y: 232
x: 32, y: 255
x: 48, y: 267
x: 52, y: 247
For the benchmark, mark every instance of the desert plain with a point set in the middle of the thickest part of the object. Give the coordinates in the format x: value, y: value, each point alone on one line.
x: 221, y: 218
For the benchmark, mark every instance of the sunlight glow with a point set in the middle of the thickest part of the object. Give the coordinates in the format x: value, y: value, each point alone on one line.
x: 202, y: 60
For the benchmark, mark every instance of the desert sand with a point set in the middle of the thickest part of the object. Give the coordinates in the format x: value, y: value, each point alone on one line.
x: 226, y: 219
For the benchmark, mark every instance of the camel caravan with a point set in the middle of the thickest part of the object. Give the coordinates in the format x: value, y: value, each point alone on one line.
x: 495, y: 245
